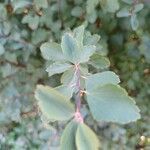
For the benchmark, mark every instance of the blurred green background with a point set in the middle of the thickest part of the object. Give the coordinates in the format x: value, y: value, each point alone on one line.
x: 26, y: 24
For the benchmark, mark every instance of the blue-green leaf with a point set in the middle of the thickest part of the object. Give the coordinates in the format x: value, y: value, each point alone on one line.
x: 70, y: 48
x: 87, y: 51
x: 99, y: 62
x: 138, y: 7
x: 65, y: 90
x: 86, y: 139
x: 99, y: 79
x: 53, y: 104
x: 79, y: 34
x: 124, y: 12
x: 110, y: 6
x: 57, y: 68
x: 52, y: 51
x: 68, y: 136
x: 112, y: 103
x: 134, y: 22
x: 41, y: 3
x: 2, y: 49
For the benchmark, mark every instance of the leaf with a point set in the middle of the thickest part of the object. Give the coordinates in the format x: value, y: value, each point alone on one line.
x: 41, y: 3
x: 100, y: 79
x: 2, y: 49
x: 99, y: 62
x: 138, y: 7
x: 70, y: 48
x: 87, y: 51
x: 110, y: 6
x: 144, y: 46
x: 79, y: 34
x: 3, y: 12
x: 32, y: 21
x: 20, y: 4
x: 124, y: 12
x: 67, y: 76
x: 128, y: 1
x: 39, y: 35
x: 53, y: 104
x: 134, y: 22
x: 90, y: 39
x: 8, y: 70
x: 86, y: 139
x: 65, y: 90
x: 57, y: 68
x: 68, y: 136
x: 52, y: 51
x: 77, y: 11
x: 112, y: 103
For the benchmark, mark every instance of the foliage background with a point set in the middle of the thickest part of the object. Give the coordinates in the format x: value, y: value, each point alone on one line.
x: 25, y: 25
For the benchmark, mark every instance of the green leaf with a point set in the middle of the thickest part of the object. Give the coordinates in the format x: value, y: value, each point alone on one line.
x: 128, y: 1
x: 138, y: 7
x: 20, y: 4
x: 2, y: 49
x: 100, y: 79
x: 112, y: 103
x: 3, y: 12
x: 110, y: 5
x: 90, y: 39
x: 91, y: 11
x: 41, y: 3
x: 68, y: 136
x: 144, y: 46
x: 32, y: 21
x: 67, y: 76
x: 99, y: 62
x: 70, y: 48
x: 124, y: 12
x: 57, y: 68
x: 39, y: 36
x: 79, y: 34
x: 8, y: 70
x: 134, y: 22
x: 86, y: 139
x: 77, y: 11
x: 65, y: 90
x: 11, y: 57
x: 87, y: 51
x: 53, y: 104
x: 52, y: 51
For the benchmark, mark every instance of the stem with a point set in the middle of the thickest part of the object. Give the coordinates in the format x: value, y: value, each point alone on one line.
x: 78, y: 98
x: 78, y: 115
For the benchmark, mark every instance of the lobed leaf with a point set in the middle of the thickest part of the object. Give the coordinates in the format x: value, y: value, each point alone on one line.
x: 79, y: 34
x: 99, y: 62
x: 53, y: 104
x: 57, y: 68
x: 99, y: 79
x: 87, y: 51
x: 70, y: 48
x: 52, y: 51
x: 111, y: 103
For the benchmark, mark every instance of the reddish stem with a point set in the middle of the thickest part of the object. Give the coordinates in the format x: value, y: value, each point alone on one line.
x: 78, y: 115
